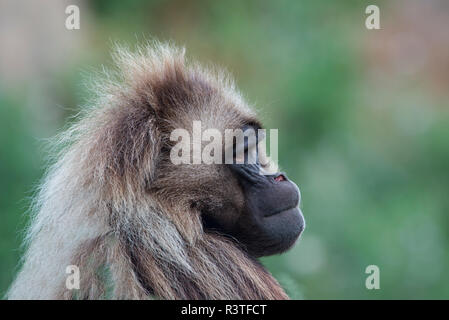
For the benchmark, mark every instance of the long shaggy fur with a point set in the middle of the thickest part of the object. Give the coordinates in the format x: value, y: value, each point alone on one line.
x: 102, y: 206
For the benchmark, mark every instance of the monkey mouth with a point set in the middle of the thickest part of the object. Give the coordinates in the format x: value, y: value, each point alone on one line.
x: 284, y: 209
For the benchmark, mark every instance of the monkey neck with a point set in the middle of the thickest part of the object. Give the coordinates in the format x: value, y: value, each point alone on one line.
x: 219, y: 270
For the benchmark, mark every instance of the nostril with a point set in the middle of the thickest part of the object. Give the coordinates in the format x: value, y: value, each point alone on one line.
x: 280, y: 177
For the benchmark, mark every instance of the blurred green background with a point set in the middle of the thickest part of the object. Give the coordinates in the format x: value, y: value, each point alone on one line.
x: 362, y: 114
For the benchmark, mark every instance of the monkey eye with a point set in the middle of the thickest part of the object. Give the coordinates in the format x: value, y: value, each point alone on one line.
x: 245, y: 148
x: 251, y: 155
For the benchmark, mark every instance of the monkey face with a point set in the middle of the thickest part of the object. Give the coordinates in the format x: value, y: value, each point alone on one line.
x: 257, y: 209
x: 269, y: 220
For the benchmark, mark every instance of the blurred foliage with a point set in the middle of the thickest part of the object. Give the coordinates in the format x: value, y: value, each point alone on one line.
x: 371, y: 158
x: 19, y: 170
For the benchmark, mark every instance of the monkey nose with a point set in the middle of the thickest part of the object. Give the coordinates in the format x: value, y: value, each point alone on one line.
x: 280, y: 177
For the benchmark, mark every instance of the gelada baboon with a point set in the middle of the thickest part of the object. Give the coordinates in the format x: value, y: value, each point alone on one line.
x: 138, y: 226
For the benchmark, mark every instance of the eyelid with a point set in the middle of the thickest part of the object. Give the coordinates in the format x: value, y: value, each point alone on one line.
x: 252, y: 124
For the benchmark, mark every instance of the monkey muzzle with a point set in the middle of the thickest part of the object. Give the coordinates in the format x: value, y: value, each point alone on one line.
x: 272, y: 218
